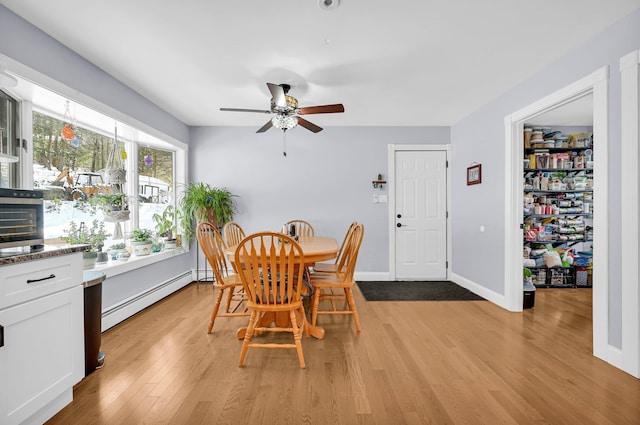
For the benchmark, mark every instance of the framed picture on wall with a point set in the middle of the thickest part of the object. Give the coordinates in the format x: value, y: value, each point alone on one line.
x: 474, y: 174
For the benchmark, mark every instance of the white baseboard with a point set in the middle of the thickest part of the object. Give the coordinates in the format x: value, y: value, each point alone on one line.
x: 371, y: 276
x: 49, y: 410
x: 119, y: 312
x: 480, y: 290
x: 202, y: 275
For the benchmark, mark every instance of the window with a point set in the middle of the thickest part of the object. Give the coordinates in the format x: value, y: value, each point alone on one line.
x: 75, y: 147
x: 155, y: 183
x: 10, y: 141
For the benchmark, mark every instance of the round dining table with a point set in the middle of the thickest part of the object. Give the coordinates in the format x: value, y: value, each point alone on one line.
x: 315, y: 249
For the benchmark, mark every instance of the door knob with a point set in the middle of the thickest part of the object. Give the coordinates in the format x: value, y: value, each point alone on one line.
x: 399, y: 215
x: 399, y: 225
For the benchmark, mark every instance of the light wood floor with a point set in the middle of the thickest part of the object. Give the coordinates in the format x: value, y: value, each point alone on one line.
x: 415, y: 363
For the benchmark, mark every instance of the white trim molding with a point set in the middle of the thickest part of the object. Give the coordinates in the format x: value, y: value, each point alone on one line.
x: 596, y: 84
x: 630, y: 188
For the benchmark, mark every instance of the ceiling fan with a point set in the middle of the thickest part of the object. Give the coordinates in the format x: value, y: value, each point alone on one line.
x: 286, y: 110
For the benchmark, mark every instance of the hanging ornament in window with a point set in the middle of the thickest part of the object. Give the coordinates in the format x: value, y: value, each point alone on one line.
x: 123, y: 154
x: 67, y: 132
x: 147, y: 160
x: 75, y: 142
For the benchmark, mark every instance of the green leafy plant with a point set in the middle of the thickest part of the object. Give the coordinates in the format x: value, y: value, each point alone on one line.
x: 202, y: 202
x: 120, y: 245
x: 115, y: 201
x: 141, y: 235
x: 93, y: 236
x: 165, y: 222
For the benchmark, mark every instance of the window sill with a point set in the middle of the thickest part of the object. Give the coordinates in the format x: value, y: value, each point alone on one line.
x: 116, y: 267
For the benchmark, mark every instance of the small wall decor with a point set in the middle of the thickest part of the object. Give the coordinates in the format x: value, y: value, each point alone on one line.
x: 474, y: 174
x: 379, y: 183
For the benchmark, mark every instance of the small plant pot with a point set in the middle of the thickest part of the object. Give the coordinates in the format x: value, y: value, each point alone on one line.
x: 170, y: 244
x: 89, y: 260
x: 113, y: 253
x: 141, y: 248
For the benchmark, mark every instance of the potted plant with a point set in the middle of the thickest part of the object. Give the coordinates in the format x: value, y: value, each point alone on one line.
x: 93, y: 237
x: 141, y: 241
x: 166, y: 226
x: 116, y: 249
x: 108, y: 201
x: 113, y: 205
x: 202, y: 202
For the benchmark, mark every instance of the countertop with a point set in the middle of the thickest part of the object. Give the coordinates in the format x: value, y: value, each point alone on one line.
x: 17, y: 256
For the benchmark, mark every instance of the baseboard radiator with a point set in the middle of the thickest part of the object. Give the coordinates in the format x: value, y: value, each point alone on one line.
x: 130, y: 306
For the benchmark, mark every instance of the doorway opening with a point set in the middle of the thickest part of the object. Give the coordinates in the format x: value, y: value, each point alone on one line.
x: 595, y: 86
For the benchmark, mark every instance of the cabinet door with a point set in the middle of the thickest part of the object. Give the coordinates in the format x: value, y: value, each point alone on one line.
x: 43, y: 353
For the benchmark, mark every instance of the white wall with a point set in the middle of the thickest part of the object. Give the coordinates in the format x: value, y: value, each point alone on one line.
x: 325, y: 177
x: 30, y: 47
x: 480, y: 137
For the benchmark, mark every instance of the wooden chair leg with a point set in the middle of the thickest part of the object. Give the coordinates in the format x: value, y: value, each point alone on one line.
x: 247, y: 337
x: 315, y: 302
x: 297, y: 336
x: 352, y: 307
x: 229, y: 298
x: 216, y: 307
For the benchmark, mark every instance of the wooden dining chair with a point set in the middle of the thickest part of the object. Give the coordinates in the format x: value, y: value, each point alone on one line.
x: 303, y: 228
x: 340, y: 260
x: 233, y: 233
x: 226, y: 280
x: 337, y: 286
x: 270, y: 274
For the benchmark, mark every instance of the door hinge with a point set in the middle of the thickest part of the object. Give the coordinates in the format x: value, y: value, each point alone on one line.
x: 447, y: 163
x: 1, y: 336
x: 446, y: 264
x: 447, y: 214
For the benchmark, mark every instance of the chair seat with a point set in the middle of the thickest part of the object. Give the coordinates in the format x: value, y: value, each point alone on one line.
x: 229, y: 280
x: 325, y: 267
x: 331, y: 280
x: 274, y: 307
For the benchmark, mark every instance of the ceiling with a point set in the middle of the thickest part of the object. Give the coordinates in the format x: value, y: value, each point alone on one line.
x: 391, y: 63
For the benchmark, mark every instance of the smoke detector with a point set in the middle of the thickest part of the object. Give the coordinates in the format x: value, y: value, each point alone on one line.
x: 328, y: 4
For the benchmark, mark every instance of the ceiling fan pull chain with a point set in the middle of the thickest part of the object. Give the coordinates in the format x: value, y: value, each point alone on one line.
x: 284, y: 143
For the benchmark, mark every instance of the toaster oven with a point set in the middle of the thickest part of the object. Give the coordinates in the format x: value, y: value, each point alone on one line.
x: 21, y: 218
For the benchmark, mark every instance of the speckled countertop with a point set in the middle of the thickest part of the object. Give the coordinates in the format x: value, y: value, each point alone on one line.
x: 14, y: 257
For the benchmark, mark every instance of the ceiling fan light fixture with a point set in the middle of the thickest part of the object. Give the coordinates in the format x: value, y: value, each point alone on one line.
x: 284, y: 122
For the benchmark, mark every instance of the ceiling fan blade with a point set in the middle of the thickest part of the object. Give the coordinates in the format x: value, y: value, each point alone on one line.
x: 322, y: 109
x: 278, y: 94
x: 265, y: 127
x: 308, y: 125
x: 262, y: 111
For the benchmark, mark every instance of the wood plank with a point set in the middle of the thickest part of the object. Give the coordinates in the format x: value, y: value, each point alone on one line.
x: 414, y: 363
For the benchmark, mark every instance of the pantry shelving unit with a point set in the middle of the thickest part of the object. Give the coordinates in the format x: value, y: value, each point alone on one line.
x: 558, y: 197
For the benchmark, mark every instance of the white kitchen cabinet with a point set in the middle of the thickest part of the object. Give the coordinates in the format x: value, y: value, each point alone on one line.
x: 42, y: 352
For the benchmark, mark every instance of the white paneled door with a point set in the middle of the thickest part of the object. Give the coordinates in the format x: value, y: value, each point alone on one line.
x: 421, y: 215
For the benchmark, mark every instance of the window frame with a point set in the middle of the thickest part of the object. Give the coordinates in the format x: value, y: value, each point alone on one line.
x: 168, y: 143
